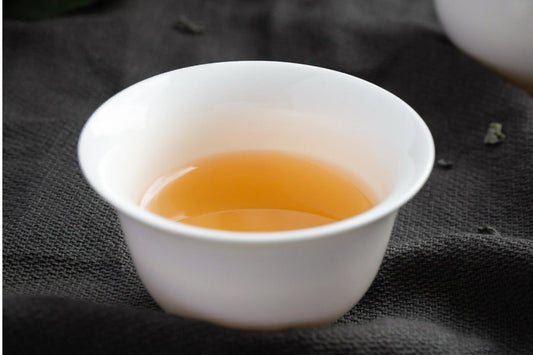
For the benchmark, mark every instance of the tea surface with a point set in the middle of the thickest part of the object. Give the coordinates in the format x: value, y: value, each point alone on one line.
x: 257, y: 191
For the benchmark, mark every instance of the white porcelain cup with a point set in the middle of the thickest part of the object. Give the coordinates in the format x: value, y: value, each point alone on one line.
x: 256, y: 280
x: 498, y: 33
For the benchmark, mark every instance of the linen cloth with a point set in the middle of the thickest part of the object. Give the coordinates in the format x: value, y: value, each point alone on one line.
x: 69, y: 285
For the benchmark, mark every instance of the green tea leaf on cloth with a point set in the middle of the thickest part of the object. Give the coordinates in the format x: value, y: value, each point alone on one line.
x: 494, y: 134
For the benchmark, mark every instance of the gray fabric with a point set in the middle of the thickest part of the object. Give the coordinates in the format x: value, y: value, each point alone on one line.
x: 68, y: 281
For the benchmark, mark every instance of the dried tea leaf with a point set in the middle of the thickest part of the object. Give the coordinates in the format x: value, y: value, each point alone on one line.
x: 185, y: 25
x: 494, y: 134
x: 487, y: 230
x: 445, y: 164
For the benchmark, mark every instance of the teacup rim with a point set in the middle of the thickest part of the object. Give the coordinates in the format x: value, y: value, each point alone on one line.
x: 381, y: 210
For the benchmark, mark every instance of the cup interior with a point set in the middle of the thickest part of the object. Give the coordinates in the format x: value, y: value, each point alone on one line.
x: 163, y: 122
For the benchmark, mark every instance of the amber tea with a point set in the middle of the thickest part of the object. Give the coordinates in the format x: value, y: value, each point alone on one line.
x: 257, y: 191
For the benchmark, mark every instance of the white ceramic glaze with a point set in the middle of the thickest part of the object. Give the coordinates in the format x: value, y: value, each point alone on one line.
x: 256, y: 280
x: 499, y: 33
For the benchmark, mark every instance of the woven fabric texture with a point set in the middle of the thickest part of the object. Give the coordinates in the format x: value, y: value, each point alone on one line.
x: 69, y: 285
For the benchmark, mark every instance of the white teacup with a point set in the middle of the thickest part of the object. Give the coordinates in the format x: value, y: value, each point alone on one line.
x: 498, y: 33
x: 256, y: 280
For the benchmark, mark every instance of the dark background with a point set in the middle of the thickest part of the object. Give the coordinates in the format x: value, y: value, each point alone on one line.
x: 444, y: 287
